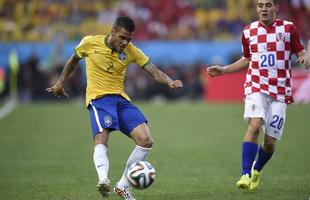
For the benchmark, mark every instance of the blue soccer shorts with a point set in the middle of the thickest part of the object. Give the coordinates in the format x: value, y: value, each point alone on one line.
x: 114, y: 112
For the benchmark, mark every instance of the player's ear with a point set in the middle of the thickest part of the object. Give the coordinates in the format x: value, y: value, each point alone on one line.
x: 112, y: 31
x: 277, y: 7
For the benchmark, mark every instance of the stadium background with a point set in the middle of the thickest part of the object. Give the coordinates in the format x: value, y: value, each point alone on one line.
x: 180, y: 36
x: 45, y: 143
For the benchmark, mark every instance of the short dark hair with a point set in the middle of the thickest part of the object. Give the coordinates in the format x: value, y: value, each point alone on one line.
x: 125, y: 22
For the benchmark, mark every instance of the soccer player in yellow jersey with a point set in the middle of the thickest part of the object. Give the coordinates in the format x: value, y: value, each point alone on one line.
x: 107, y: 58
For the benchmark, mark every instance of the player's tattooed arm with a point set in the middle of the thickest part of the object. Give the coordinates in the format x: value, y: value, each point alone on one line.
x: 162, y: 77
x: 69, y: 68
x: 157, y: 74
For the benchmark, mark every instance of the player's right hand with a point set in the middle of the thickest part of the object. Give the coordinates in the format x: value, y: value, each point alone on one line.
x: 57, y: 90
x: 215, y: 70
x: 177, y: 84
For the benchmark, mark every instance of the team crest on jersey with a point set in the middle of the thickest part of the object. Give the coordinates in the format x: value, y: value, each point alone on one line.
x: 280, y: 37
x: 122, y: 55
x: 253, y: 107
x: 108, y: 120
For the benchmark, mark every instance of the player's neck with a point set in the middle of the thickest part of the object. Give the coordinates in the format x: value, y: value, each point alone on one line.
x: 267, y: 23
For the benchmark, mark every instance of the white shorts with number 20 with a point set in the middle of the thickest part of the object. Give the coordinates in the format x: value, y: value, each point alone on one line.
x: 259, y: 105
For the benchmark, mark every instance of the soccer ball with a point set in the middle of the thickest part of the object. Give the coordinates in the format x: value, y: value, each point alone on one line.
x: 141, y: 174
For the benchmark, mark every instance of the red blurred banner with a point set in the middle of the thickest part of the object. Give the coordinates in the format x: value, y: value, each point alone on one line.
x: 229, y: 88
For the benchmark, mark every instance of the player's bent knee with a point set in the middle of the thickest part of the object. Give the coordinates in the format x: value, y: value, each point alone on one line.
x: 144, y: 141
x: 254, y: 128
x: 101, y: 138
x: 147, y: 142
x: 142, y: 136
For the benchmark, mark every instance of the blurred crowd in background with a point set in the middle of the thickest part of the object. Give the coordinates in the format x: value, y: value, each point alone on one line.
x: 41, y: 20
x: 174, y: 20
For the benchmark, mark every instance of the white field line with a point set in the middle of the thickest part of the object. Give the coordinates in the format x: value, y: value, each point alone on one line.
x: 7, y: 108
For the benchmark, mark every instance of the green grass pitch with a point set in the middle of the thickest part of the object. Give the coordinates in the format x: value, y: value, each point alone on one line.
x: 46, y: 154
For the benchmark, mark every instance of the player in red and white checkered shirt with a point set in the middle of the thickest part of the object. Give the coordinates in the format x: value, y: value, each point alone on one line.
x: 267, y: 48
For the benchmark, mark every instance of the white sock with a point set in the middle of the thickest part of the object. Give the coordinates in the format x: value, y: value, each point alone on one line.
x: 138, y: 154
x: 101, y: 161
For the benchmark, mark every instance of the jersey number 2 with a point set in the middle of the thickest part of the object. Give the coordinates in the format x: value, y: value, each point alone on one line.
x: 110, y: 68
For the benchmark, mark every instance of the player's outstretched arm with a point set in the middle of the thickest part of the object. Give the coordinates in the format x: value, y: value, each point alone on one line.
x: 215, y: 70
x: 161, y: 77
x: 58, y: 88
x: 304, y: 57
x: 237, y: 66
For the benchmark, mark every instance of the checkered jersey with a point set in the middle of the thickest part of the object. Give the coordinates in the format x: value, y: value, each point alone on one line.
x: 269, y: 49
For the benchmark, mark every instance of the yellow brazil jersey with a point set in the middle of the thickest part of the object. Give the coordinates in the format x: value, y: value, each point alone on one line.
x: 106, y: 69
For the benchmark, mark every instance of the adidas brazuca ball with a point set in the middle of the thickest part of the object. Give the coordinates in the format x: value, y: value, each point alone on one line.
x: 141, y: 174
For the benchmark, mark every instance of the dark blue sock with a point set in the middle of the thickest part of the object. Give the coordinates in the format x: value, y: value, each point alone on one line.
x: 262, y: 159
x: 249, y: 151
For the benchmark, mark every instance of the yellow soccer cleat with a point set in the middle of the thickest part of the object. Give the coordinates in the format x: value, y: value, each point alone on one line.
x: 254, y: 179
x: 244, y: 182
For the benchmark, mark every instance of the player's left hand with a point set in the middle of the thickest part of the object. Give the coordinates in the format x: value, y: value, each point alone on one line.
x: 177, y: 84
x: 305, y: 58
